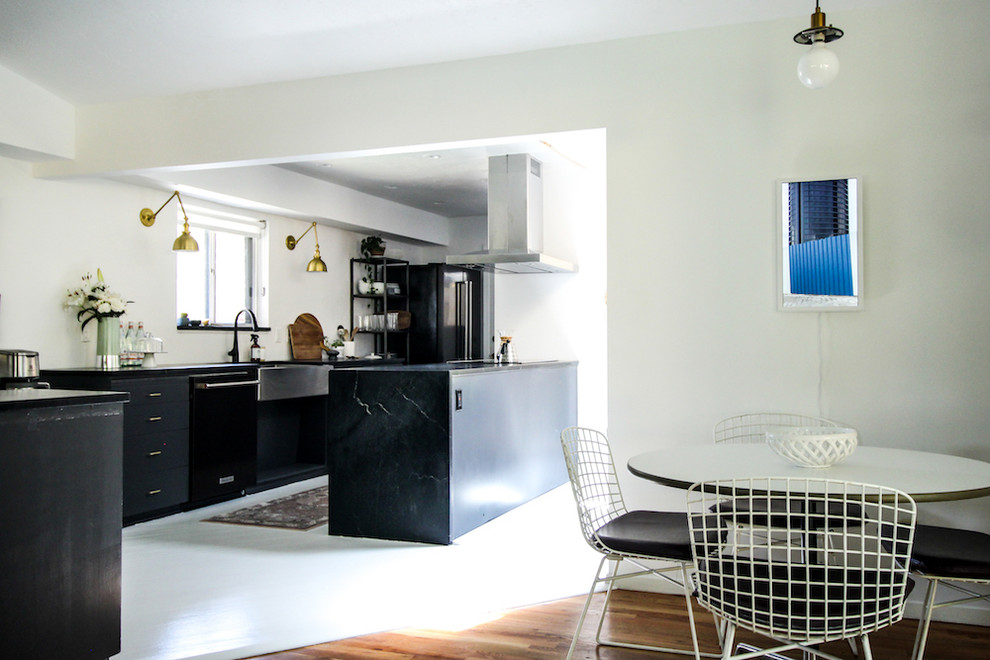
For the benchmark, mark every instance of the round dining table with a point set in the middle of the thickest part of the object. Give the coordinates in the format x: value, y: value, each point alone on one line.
x: 926, y: 476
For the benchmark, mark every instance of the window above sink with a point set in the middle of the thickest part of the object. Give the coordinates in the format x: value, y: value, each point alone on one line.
x: 225, y: 275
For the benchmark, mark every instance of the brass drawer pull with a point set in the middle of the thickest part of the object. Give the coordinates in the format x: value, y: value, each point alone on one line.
x: 154, y: 394
x: 157, y: 452
x: 157, y: 418
x: 154, y: 492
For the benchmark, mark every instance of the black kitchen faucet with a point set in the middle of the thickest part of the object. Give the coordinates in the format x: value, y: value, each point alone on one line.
x: 234, y: 352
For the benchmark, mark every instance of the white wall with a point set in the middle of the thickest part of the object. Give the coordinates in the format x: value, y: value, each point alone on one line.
x: 563, y: 316
x: 53, y: 232
x: 699, y: 124
x: 34, y: 123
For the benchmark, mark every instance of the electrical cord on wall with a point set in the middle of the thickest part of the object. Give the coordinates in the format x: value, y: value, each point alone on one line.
x: 821, y: 365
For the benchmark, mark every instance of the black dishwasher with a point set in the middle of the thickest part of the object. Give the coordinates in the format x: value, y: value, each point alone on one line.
x: 223, y: 438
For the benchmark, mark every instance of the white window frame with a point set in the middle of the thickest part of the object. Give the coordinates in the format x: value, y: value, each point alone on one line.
x: 255, y: 228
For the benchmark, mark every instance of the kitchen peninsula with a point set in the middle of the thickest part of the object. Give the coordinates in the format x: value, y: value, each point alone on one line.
x: 60, y: 464
x: 429, y: 452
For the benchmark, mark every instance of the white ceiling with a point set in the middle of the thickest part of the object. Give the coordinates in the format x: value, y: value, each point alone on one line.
x: 101, y: 51
x: 450, y: 180
x: 110, y: 50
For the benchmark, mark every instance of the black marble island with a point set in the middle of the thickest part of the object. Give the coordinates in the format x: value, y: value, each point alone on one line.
x: 430, y: 452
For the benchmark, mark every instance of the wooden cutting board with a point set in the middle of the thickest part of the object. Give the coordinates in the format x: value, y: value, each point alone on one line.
x: 306, y: 338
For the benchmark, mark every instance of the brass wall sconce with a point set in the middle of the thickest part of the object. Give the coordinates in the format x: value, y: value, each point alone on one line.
x: 315, y: 264
x: 184, y: 242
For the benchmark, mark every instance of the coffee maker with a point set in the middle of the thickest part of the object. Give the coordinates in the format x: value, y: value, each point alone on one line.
x: 19, y: 369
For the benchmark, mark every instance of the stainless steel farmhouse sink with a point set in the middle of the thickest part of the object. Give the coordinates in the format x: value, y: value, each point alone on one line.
x: 292, y: 381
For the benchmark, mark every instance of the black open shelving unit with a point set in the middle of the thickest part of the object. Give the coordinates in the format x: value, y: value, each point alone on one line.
x: 390, y: 271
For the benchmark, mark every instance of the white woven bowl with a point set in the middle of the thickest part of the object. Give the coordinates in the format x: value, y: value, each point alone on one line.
x: 813, y: 446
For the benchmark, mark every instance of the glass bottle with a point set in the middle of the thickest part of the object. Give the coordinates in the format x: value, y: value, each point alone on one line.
x: 257, y: 351
x: 127, y: 346
x: 123, y: 345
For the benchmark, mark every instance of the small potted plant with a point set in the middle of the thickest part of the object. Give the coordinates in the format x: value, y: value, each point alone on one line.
x: 371, y: 246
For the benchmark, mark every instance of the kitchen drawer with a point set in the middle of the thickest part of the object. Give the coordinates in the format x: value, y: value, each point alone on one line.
x: 154, y: 390
x: 153, y: 417
x: 152, y: 452
x: 155, y: 490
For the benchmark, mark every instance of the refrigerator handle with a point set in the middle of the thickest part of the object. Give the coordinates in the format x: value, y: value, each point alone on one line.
x: 459, y: 318
x: 469, y: 326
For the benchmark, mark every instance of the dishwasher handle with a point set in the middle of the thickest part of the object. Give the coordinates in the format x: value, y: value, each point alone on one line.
x: 217, y: 385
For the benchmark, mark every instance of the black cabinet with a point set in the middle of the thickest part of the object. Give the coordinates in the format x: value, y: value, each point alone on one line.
x: 155, y: 436
x: 60, y: 557
x: 185, y: 447
x: 156, y: 444
x: 291, y: 440
x: 374, y: 310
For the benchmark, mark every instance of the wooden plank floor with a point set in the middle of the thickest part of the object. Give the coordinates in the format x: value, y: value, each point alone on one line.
x: 544, y: 632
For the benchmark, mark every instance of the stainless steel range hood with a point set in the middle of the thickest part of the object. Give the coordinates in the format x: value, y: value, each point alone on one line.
x: 515, y: 221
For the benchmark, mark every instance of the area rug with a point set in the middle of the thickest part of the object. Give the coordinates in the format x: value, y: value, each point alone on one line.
x: 301, y: 511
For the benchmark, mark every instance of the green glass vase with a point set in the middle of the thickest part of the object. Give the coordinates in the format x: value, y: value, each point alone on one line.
x: 107, y: 342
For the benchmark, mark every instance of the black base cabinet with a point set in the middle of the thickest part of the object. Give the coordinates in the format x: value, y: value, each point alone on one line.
x: 291, y: 440
x: 60, y: 557
x: 156, y: 436
x: 195, y: 435
x: 156, y: 447
x: 427, y: 452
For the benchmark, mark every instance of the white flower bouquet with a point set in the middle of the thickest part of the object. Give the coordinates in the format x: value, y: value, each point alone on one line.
x: 94, y: 299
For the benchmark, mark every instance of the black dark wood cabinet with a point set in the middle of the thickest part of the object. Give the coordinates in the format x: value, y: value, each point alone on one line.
x: 155, y: 440
x: 60, y: 525
x: 178, y: 455
x: 291, y: 440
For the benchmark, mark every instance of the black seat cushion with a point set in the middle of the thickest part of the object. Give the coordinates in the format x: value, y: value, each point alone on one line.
x: 810, y: 600
x: 783, y: 513
x: 948, y: 552
x: 649, y: 533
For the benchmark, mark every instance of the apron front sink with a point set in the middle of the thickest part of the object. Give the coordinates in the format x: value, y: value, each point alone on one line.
x: 292, y: 381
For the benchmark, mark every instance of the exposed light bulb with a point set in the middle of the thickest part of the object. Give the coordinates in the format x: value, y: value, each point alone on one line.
x: 818, y: 66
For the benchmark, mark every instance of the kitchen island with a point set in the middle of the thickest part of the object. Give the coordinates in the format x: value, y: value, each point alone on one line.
x: 60, y: 458
x: 430, y: 452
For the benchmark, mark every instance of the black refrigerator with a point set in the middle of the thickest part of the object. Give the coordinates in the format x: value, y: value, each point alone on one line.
x: 447, y: 307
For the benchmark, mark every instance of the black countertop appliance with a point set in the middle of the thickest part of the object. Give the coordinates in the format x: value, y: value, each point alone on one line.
x: 447, y: 309
x: 19, y: 369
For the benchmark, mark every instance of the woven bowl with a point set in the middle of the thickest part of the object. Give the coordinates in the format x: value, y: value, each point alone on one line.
x: 813, y: 446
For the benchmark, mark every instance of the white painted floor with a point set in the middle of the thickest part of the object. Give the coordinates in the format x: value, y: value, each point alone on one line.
x: 193, y: 589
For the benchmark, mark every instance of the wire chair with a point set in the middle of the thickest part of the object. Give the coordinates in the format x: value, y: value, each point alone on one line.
x: 753, y: 427
x: 842, y: 576
x: 950, y: 558
x: 621, y: 535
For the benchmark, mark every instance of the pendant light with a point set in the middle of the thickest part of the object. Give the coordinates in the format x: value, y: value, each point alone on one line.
x: 315, y: 264
x: 819, y: 66
x: 184, y: 242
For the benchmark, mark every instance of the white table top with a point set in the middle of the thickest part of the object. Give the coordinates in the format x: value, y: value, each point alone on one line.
x: 926, y: 476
